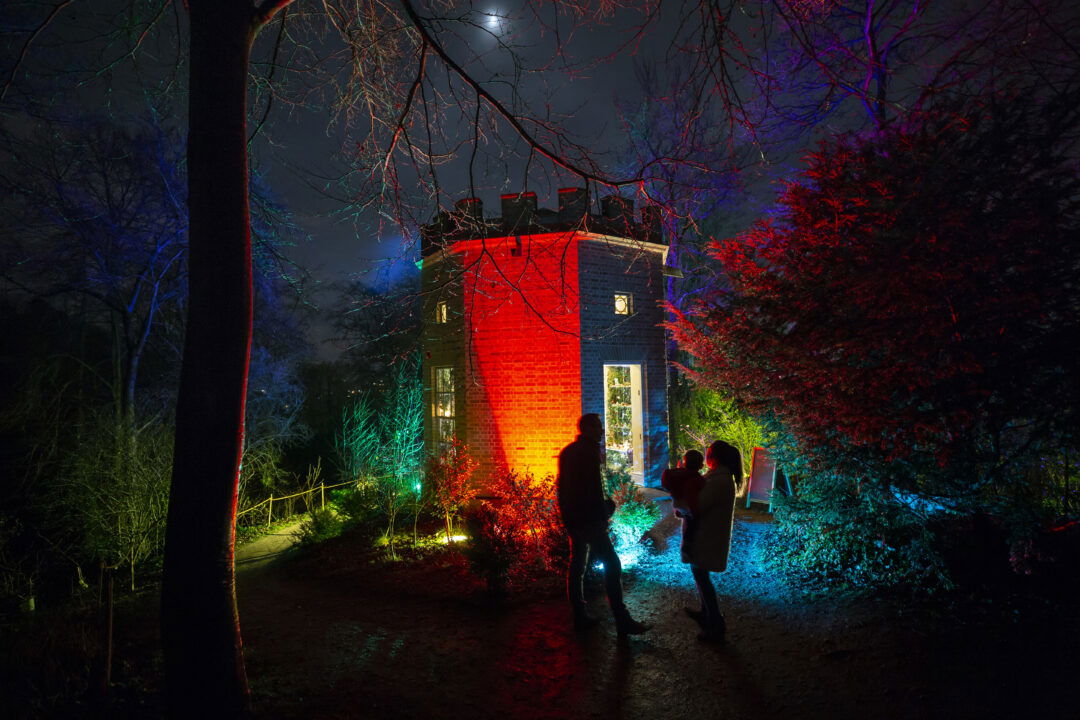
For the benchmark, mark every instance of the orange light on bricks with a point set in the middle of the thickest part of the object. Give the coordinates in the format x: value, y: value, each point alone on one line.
x: 524, y: 346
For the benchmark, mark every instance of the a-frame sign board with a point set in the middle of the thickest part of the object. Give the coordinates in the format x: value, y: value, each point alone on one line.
x: 762, y: 478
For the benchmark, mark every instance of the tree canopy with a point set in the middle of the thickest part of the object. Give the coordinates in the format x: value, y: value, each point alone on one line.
x: 910, y: 308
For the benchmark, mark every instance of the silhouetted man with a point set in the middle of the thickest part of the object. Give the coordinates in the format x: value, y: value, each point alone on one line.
x: 585, y: 512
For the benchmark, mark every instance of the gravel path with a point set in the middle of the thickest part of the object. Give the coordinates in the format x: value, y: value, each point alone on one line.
x: 332, y: 635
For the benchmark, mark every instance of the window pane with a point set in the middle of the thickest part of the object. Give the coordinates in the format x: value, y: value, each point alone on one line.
x: 444, y: 405
x: 619, y: 396
x: 444, y: 429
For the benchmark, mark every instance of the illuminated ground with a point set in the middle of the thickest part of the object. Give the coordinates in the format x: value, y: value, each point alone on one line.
x: 330, y: 636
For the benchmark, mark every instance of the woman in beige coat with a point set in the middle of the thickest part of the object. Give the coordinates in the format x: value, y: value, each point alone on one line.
x: 708, y: 548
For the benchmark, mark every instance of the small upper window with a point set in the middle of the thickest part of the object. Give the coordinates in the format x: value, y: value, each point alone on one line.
x: 624, y: 304
x: 442, y: 312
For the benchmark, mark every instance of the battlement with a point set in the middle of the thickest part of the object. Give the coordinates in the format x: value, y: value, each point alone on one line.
x: 521, y: 216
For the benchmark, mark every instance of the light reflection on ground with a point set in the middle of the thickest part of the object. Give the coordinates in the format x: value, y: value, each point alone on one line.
x: 401, y: 642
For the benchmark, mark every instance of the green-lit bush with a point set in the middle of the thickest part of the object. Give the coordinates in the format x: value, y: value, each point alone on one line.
x: 700, y: 415
x: 380, y: 445
x: 357, y: 504
x: 631, y: 520
x: 321, y: 524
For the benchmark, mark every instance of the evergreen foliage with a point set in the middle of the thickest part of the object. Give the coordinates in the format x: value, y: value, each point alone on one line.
x: 634, y: 514
x: 701, y: 415
x: 945, y: 387
x: 380, y: 445
x: 516, y: 533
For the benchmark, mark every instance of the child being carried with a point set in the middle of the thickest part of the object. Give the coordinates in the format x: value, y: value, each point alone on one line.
x: 684, y: 483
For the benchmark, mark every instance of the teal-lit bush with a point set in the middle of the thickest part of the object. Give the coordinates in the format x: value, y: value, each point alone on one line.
x: 834, y: 533
x: 380, y: 445
x: 634, y: 514
x: 631, y: 521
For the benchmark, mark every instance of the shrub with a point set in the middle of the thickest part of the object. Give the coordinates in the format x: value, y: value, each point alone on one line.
x: 618, y: 484
x: 631, y: 520
x: 701, y: 415
x: 529, y: 507
x: 634, y: 514
x: 321, y: 524
x: 835, y: 532
x: 116, y: 493
x: 516, y: 534
x: 358, y: 504
x: 380, y: 444
x: 492, y: 546
x: 450, y: 479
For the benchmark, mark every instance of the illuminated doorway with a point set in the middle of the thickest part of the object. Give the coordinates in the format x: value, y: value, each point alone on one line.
x: 623, y: 418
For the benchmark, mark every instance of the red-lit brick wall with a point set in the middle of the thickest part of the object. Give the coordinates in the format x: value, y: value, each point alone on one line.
x: 523, y: 371
x: 531, y: 325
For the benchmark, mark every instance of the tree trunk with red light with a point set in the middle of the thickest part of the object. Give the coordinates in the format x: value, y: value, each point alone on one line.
x: 204, y: 665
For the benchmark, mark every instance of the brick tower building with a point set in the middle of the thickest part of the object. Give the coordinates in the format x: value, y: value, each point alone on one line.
x: 536, y: 317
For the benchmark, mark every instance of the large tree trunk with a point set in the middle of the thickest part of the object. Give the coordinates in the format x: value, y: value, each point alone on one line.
x: 204, y: 664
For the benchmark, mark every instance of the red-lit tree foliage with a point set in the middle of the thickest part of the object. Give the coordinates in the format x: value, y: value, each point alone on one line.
x: 908, y: 314
x: 450, y: 475
x: 526, y: 504
x: 515, y: 533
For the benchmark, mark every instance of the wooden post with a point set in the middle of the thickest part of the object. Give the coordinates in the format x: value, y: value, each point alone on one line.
x: 322, y: 494
x: 108, y: 629
x: 270, y: 511
x: 105, y: 633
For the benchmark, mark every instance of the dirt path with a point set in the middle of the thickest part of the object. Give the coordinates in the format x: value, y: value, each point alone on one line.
x: 329, y: 635
x: 267, y: 547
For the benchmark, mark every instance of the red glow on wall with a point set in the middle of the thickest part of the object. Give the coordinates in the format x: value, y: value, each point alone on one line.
x: 523, y: 348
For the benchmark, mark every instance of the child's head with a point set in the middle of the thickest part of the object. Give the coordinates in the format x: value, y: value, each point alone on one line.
x: 693, y: 460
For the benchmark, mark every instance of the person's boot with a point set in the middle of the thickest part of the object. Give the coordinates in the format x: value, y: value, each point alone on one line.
x: 626, y: 625
x: 583, y: 619
x: 697, y: 616
x: 715, y: 633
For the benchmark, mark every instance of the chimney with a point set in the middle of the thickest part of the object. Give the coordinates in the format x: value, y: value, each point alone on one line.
x: 470, y: 207
x: 618, y: 210
x: 432, y: 234
x: 518, y: 209
x: 468, y: 216
x: 573, y: 204
x: 652, y: 222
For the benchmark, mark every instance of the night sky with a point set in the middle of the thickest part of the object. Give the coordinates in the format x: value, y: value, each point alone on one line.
x: 310, y: 151
x: 313, y: 150
x: 583, y: 79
